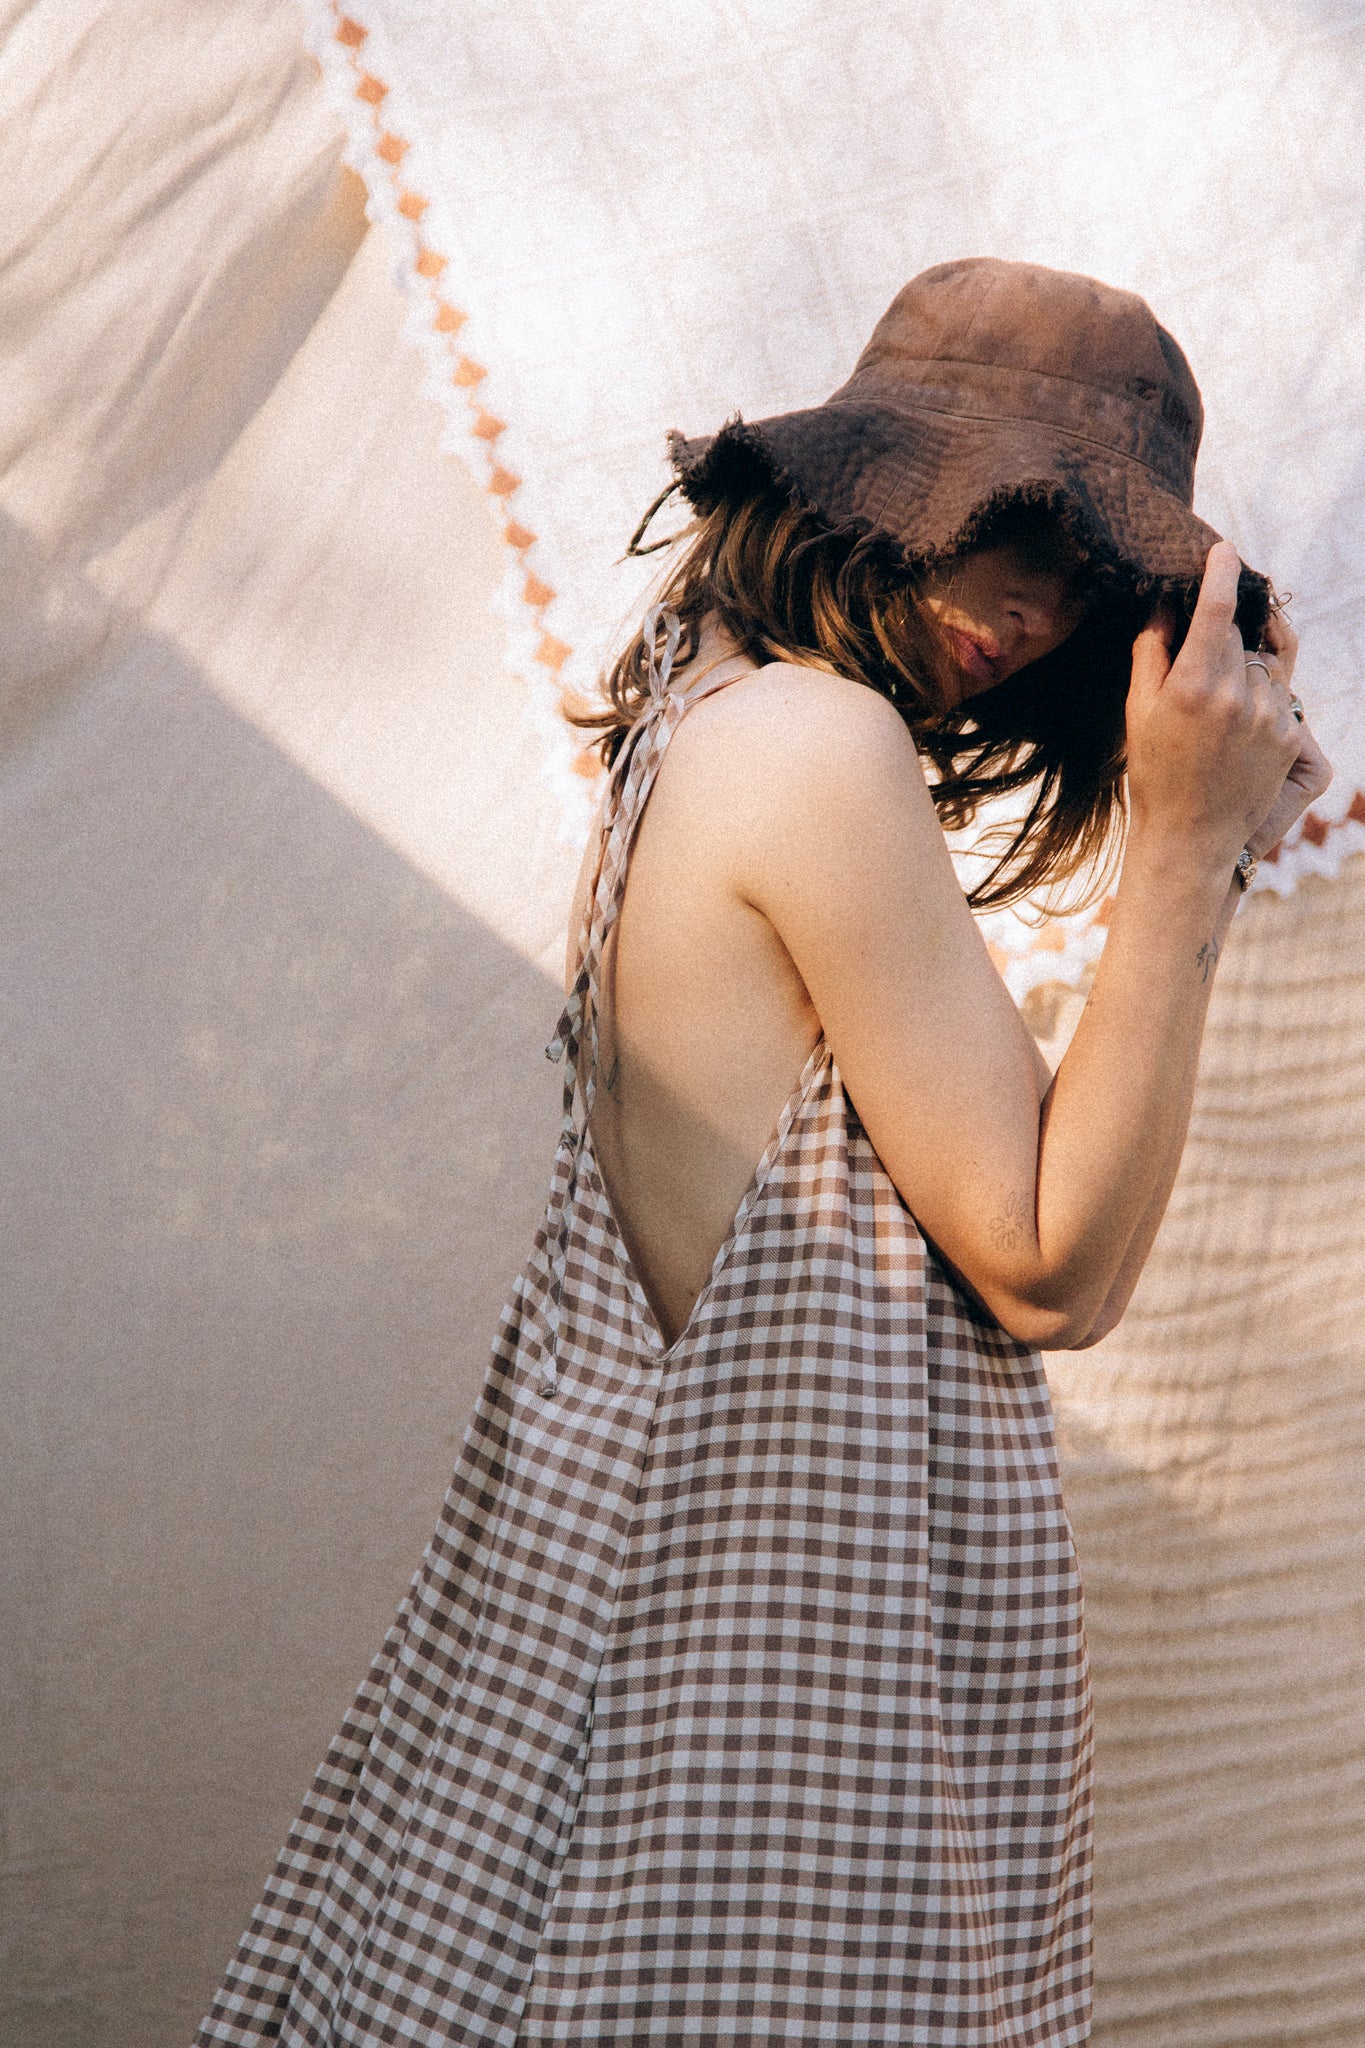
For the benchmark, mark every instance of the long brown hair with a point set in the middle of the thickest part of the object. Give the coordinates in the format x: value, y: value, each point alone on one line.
x: 785, y: 586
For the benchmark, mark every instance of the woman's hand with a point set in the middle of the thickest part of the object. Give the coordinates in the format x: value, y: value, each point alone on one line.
x: 1311, y: 772
x: 1212, y: 744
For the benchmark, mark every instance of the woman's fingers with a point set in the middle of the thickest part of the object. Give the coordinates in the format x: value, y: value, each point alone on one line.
x: 1206, y: 643
x: 1309, y: 775
x: 1266, y: 666
x: 1311, y: 770
x: 1268, y: 690
x: 1211, y: 736
x: 1152, y: 649
x: 1280, y: 639
x: 1266, y: 658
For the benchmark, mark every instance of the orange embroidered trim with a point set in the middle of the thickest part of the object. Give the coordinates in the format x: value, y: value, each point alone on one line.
x: 466, y: 374
x: 1315, y: 829
x: 447, y: 320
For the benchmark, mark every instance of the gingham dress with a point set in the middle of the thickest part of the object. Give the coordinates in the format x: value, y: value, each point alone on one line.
x: 741, y: 1695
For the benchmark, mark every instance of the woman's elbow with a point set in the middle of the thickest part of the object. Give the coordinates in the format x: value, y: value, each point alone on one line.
x: 1046, y: 1311
x: 1055, y: 1317
x: 1056, y: 1329
x: 1044, y: 1329
x: 1108, y: 1319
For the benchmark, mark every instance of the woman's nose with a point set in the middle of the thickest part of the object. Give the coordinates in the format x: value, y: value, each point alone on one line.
x: 1036, y: 618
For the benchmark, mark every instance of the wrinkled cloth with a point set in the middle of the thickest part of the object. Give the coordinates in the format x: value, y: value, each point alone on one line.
x: 277, y: 850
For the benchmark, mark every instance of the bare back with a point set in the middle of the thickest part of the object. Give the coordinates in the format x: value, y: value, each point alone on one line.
x: 706, y: 1026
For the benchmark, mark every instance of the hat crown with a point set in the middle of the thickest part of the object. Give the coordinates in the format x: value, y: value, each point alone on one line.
x: 985, y: 383
x: 1026, y: 319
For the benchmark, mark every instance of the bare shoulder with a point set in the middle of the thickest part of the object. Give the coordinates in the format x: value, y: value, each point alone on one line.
x: 786, y: 734
x: 791, y: 708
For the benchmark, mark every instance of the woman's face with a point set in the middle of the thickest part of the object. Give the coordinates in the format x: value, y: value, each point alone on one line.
x: 1002, y: 606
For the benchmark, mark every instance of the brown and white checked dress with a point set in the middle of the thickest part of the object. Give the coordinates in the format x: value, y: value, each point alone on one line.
x: 741, y: 1695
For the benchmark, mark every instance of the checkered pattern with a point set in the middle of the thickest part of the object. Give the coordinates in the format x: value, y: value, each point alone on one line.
x: 741, y: 1695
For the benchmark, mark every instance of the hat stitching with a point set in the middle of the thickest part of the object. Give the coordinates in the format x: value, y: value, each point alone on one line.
x: 1012, y: 369
x: 999, y: 419
x: 873, y: 510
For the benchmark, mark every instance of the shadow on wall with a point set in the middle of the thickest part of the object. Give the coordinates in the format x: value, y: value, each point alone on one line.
x: 276, y: 1109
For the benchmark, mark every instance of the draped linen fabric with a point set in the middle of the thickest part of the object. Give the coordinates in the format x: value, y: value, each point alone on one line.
x: 284, y: 863
x: 281, y: 900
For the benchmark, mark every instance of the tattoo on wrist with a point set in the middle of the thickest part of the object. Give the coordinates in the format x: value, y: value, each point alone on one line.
x: 1206, y: 959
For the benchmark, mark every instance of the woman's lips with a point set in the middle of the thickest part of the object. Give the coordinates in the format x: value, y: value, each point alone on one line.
x: 981, y: 663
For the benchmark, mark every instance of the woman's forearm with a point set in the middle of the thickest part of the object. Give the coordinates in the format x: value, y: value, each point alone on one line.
x: 1135, y: 1258
x: 1140, y: 1245
x: 1113, y: 1123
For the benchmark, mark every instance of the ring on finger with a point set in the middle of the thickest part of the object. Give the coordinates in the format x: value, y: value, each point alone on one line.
x: 1255, y: 661
x: 1296, y: 706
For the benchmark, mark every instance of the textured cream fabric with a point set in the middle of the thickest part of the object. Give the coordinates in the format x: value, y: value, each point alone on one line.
x: 277, y: 863
x: 1214, y: 1461
x: 275, y: 869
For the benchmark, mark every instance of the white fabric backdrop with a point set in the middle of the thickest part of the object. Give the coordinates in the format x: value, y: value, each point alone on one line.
x: 279, y: 850
x: 621, y: 219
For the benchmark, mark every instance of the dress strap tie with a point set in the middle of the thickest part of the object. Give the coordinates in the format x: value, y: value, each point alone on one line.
x: 575, y: 1039
x: 660, y: 671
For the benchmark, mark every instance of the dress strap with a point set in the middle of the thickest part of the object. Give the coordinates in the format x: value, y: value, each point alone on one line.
x: 632, y: 779
x: 575, y: 1041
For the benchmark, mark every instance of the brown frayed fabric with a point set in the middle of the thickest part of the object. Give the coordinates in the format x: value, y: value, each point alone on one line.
x: 984, y: 383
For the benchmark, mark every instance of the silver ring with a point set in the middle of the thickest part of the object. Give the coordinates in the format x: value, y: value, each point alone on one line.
x: 1255, y: 661
x: 1296, y: 706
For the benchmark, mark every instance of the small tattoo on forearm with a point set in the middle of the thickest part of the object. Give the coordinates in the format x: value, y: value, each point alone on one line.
x: 1010, y: 1228
x: 612, y: 1076
x: 1206, y: 959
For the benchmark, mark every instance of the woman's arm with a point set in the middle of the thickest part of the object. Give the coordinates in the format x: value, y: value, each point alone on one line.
x: 1135, y: 1050
x: 836, y: 842
x: 1308, y: 777
x: 1135, y: 1258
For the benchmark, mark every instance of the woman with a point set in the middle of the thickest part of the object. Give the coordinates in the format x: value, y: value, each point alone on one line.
x: 741, y: 1696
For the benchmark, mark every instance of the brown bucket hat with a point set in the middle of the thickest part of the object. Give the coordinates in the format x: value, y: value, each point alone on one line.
x: 988, y: 382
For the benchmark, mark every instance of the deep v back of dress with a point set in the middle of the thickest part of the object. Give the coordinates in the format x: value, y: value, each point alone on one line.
x: 704, y: 1029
